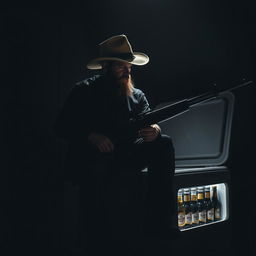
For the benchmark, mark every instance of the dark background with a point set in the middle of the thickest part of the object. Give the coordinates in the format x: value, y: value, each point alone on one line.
x: 44, y: 51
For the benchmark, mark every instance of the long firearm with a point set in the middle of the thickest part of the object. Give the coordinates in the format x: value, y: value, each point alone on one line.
x: 177, y: 108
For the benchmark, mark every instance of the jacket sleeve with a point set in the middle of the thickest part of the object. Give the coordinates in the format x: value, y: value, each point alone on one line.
x: 143, y: 106
x: 72, y: 123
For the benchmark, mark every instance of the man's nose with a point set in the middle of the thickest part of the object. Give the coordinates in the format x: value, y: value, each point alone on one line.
x: 127, y: 70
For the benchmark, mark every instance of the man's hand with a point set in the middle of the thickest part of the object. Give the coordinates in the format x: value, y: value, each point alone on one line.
x: 149, y: 133
x: 103, y: 143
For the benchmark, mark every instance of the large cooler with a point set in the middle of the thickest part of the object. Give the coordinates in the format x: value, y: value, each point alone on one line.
x: 201, y: 139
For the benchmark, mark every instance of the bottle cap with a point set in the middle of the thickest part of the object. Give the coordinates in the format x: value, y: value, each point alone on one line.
x: 201, y: 189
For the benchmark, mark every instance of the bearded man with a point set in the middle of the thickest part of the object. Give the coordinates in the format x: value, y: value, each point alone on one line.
x: 101, y: 145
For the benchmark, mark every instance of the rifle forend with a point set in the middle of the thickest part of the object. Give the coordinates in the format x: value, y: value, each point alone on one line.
x: 177, y: 108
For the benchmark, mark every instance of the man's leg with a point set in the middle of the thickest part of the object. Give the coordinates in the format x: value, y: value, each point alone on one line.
x: 161, y: 201
x: 93, y: 176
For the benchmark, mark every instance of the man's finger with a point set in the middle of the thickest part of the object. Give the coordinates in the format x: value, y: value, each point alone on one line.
x: 109, y: 144
x: 104, y: 147
x: 149, y: 138
x: 147, y: 129
x: 147, y: 132
x: 109, y: 148
x: 101, y: 148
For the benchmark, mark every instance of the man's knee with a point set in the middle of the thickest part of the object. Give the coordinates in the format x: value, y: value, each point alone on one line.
x: 162, y: 153
x: 164, y: 144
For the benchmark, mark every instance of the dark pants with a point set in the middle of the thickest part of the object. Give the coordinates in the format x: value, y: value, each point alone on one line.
x: 105, y: 175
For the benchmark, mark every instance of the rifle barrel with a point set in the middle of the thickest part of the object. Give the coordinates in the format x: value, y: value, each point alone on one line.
x: 202, y: 98
x: 238, y: 86
x: 177, y: 108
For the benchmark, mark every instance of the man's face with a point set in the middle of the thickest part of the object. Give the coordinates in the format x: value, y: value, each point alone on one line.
x: 121, y: 71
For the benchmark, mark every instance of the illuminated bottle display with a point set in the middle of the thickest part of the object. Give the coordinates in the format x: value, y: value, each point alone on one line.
x: 188, y: 211
x: 216, y: 204
x: 209, y: 205
x: 194, y: 207
x: 201, y: 205
x: 181, y: 210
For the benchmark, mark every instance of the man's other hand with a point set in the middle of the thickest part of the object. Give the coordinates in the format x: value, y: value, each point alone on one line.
x: 103, y: 143
x: 149, y: 133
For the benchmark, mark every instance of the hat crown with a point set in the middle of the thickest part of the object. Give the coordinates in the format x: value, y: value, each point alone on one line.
x: 117, y: 48
x: 115, y: 45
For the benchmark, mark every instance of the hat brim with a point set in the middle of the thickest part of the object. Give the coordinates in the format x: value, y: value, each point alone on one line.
x: 140, y: 59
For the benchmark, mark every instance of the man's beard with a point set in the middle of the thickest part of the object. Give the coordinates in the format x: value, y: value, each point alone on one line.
x: 125, y: 86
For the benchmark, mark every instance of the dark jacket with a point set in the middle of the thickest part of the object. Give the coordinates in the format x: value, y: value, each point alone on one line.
x: 93, y: 106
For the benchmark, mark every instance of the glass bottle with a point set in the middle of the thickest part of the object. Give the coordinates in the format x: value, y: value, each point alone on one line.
x: 201, y: 205
x: 181, y: 210
x: 194, y: 207
x: 188, y: 211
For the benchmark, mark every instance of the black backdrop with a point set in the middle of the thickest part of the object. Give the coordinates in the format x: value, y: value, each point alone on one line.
x: 44, y: 50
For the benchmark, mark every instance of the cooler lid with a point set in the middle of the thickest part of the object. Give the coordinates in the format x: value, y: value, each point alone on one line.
x: 201, y: 136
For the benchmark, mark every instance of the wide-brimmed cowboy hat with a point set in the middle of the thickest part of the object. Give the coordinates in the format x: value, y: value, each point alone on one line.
x: 117, y: 48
